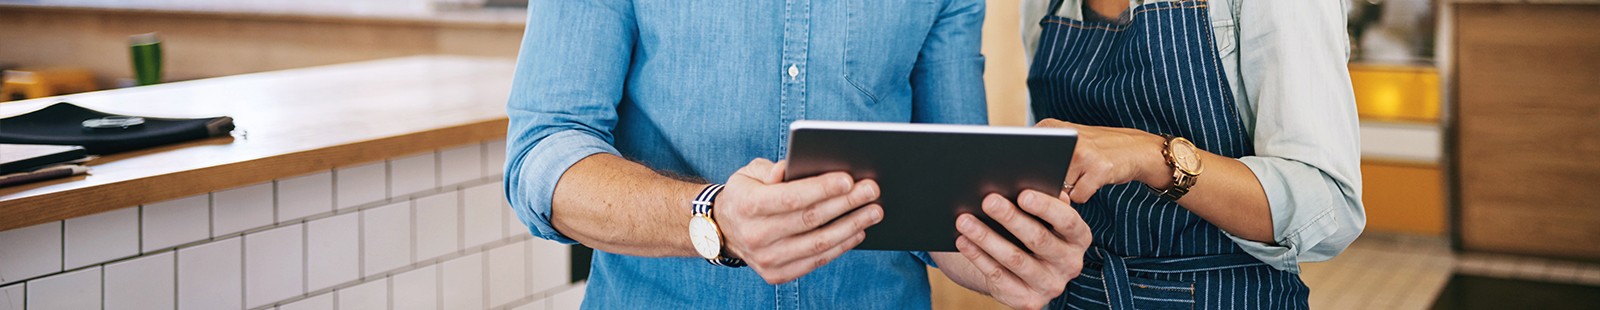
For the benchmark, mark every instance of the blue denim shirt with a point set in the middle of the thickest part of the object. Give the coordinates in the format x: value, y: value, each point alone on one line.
x: 700, y: 87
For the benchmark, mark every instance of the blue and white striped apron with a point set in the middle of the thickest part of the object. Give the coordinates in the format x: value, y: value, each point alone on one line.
x: 1158, y: 72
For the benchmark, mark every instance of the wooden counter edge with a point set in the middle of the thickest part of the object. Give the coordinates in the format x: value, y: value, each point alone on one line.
x: 39, y: 209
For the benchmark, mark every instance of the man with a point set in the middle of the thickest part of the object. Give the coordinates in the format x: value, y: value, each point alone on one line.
x: 624, y: 111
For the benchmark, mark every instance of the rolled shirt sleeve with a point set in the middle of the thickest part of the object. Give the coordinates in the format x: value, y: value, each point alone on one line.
x: 947, y: 82
x: 1293, y: 57
x: 568, y: 82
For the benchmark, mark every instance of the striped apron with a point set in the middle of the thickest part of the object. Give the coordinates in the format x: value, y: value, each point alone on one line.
x: 1158, y: 72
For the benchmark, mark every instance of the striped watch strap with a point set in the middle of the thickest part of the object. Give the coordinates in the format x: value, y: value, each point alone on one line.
x: 702, y: 206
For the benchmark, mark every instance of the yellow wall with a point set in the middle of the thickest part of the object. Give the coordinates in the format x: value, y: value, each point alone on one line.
x: 1005, y: 76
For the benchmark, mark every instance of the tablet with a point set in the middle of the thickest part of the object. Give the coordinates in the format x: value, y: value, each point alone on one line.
x: 928, y: 173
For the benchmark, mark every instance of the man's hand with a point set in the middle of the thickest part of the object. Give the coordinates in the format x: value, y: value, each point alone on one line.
x: 786, y: 230
x: 1014, y: 277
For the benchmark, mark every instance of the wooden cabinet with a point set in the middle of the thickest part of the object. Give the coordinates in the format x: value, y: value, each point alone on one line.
x: 1527, y: 129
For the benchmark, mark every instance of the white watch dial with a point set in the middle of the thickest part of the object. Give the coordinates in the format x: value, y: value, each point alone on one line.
x: 703, y: 233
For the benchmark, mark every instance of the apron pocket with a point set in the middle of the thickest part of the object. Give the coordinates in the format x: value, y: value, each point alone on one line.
x: 1158, y: 294
x: 1088, y: 292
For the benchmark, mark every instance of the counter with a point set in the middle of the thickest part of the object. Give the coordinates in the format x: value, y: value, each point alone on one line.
x: 369, y: 184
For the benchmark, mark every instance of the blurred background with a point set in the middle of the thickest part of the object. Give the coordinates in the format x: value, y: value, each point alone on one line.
x: 1480, y: 125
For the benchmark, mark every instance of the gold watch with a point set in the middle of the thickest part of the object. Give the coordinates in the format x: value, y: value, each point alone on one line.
x: 1184, y: 158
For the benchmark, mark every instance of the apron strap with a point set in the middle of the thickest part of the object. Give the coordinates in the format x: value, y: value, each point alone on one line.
x: 1119, y: 295
x: 1115, y: 269
x: 1055, y: 6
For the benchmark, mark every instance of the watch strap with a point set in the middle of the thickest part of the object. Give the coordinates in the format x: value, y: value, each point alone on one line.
x: 703, y: 206
x: 1180, y: 180
x: 702, y: 202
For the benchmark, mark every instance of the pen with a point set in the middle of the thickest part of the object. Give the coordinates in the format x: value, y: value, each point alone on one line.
x: 42, y: 174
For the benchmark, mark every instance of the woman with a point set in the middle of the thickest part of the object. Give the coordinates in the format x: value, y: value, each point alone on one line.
x: 1218, y: 145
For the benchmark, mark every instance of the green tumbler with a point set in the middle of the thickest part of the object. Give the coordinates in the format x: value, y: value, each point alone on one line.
x: 146, y: 49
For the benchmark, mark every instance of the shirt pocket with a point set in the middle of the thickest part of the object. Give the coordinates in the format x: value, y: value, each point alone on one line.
x: 882, y: 42
x: 1226, y: 33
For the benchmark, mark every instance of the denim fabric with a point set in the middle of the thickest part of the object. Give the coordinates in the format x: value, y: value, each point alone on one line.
x: 700, y: 87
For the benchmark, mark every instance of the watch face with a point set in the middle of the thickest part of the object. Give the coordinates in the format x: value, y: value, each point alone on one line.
x: 1184, y: 155
x: 703, y: 233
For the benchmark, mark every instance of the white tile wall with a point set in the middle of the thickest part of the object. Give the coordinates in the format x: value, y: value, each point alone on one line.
x: 30, y: 252
x: 174, y: 222
x: 514, y: 225
x: 535, y: 305
x: 365, y: 296
x: 413, y: 174
x: 438, y: 225
x: 549, y: 265
x: 333, y: 251
x: 460, y: 164
x: 68, y: 291
x: 356, y: 185
x: 386, y: 238
x: 570, y: 299
x: 508, y: 273
x: 325, y: 256
x: 480, y: 209
x: 209, y: 276
x: 239, y: 209
x: 304, y: 196
x: 319, y: 302
x: 145, y: 283
x: 274, y: 265
x: 417, y: 289
x: 102, y: 237
x: 12, y: 297
x: 463, y: 282
x: 494, y: 157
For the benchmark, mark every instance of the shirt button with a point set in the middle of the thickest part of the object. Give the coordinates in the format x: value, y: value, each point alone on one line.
x: 794, y: 71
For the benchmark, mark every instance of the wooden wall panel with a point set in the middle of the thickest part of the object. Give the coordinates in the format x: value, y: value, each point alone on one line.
x: 1528, y: 129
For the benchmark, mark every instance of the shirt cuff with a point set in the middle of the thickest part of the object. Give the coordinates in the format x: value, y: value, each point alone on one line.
x: 533, y: 187
x: 1297, y: 226
x: 925, y: 258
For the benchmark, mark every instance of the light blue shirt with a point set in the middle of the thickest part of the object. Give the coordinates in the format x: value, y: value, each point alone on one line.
x: 1286, y: 64
x: 699, y: 88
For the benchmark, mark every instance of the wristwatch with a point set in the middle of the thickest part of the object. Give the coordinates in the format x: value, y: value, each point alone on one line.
x: 1185, y: 161
x: 703, y: 231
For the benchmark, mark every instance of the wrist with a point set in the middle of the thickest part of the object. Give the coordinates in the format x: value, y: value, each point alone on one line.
x: 1157, y: 171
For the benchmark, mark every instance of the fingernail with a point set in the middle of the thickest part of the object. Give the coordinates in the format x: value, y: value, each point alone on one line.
x: 991, y: 203
x: 1026, y: 197
x: 967, y: 223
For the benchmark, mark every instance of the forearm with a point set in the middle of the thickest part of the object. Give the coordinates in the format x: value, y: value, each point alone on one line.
x: 1227, y: 195
x: 961, y: 271
x: 619, y: 206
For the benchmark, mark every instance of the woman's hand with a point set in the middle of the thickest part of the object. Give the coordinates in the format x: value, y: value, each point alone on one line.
x: 1011, y: 275
x: 1109, y: 155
